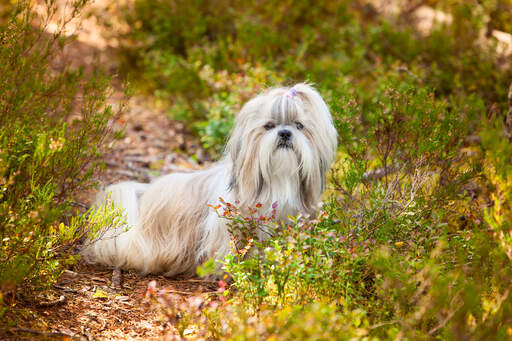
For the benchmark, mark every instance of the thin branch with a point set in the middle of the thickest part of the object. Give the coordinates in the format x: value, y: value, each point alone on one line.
x: 60, y: 300
x: 39, y: 332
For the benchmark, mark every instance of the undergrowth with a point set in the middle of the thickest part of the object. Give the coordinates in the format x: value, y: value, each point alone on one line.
x: 412, y: 240
x: 53, y: 131
x: 201, y: 59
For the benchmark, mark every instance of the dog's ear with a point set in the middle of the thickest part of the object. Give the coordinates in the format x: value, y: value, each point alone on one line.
x: 324, y: 138
x: 241, y: 150
x: 316, y: 107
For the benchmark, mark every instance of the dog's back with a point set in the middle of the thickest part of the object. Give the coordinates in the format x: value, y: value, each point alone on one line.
x: 125, y: 195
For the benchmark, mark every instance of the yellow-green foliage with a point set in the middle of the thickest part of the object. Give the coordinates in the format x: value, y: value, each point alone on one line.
x: 409, y: 255
x: 405, y: 254
x: 51, y: 140
x: 413, y: 239
x: 331, y: 43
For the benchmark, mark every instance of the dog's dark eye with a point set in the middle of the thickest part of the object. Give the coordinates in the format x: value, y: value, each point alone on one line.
x: 299, y: 125
x: 269, y: 125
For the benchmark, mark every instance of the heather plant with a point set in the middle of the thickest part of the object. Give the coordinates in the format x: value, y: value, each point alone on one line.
x: 400, y: 248
x: 407, y: 144
x: 412, y: 240
x: 172, y: 43
x: 53, y: 129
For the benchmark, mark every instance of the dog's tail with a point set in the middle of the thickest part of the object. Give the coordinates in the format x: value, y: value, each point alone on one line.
x: 112, y: 246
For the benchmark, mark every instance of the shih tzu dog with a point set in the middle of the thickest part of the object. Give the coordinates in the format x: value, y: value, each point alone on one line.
x: 280, y: 149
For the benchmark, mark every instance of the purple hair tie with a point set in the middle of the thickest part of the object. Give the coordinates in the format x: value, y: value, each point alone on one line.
x: 292, y: 93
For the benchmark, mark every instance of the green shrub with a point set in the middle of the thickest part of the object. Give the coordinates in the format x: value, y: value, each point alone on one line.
x: 413, y: 239
x: 171, y: 43
x: 399, y: 254
x: 53, y: 128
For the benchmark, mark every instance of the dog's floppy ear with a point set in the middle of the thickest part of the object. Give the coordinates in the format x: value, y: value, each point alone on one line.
x: 244, y: 170
x: 324, y: 140
x: 319, y: 112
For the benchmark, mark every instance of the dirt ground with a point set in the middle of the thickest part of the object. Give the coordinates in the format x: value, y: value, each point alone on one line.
x: 86, y: 303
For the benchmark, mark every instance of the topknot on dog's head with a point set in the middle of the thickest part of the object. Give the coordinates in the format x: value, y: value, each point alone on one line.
x: 287, y: 102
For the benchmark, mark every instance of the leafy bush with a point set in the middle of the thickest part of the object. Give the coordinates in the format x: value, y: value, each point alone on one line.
x: 393, y: 250
x: 401, y: 246
x: 53, y: 128
x: 171, y: 43
x: 413, y: 238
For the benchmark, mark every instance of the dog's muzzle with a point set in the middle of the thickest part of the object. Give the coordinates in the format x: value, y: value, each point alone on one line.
x: 284, y: 139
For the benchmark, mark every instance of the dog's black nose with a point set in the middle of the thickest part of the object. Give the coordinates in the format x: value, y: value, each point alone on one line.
x: 284, y: 134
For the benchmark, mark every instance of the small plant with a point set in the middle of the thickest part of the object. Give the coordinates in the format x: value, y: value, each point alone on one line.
x: 413, y: 238
x: 388, y: 249
x: 51, y: 141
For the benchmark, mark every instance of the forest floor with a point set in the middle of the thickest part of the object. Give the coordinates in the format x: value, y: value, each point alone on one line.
x: 87, y: 303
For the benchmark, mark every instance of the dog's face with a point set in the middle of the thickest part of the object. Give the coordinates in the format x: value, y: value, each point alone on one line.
x: 281, y: 147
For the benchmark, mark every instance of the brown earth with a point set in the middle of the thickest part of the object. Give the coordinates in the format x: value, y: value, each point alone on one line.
x: 86, y: 304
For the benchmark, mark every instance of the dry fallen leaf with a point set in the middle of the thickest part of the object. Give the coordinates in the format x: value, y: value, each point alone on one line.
x: 100, y: 294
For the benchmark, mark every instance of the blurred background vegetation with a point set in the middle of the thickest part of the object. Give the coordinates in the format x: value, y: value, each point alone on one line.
x: 413, y: 240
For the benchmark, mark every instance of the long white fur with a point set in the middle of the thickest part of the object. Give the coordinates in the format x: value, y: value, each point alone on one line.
x: 171, y: 228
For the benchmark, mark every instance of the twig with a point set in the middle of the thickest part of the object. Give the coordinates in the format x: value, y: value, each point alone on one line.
x: 112, y: 163
x: 39, y: 332
x: 117, y: 278
x: 378, y: 325
x: 104, y: 325
x: 378, y: 173
x: 61, y: 299
x: 507, y: 123
x: 66, y: 289
x: 445, y: 321
x: 86, y: 332
x: 79, y: 204
x: 71, y: 273
x: 140, y: 159
x: 98, y: 279
x: 180, y: 292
